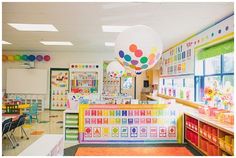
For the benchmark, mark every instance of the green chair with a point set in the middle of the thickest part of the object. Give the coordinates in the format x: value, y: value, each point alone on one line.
x: 33, y: 112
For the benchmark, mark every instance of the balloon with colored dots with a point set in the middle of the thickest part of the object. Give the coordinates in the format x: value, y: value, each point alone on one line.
x: 115, y: 69
x: 138, y: 48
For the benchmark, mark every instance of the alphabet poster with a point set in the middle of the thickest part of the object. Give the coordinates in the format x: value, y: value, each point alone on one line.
x: 127, y: 124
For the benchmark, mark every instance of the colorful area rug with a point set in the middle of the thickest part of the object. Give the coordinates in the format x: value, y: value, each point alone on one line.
x: 37, y: 132
x: 133, y: 151
x: 27, y: 126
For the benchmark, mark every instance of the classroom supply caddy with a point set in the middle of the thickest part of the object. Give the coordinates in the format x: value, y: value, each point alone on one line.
x: 84, y: 78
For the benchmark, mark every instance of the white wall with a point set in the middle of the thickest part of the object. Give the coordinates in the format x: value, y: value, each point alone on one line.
x: 63, y: 60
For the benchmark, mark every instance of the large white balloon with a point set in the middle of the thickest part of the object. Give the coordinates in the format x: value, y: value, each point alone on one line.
x: 115, y: 69
x: 138, y: 48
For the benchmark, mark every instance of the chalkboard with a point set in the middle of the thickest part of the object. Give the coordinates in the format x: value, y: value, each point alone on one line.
x: 27, y: 81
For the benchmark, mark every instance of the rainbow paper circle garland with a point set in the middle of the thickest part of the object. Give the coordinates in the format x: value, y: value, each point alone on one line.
x: 25, y: 57
x: 138, y: 48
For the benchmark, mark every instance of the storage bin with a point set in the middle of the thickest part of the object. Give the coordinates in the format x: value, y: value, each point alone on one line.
x: 215, y: 151
x: 228, y: 148
x: 205, y: 130
x: 201, y: 131
x: 222, y: 143
x: 195, y: 125
x: 208, y: 148
x: 209, y: 133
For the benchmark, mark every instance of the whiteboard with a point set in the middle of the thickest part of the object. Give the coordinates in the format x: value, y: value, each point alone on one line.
x: 27, y: 81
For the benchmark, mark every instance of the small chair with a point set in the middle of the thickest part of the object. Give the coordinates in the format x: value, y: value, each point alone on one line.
x: 33, y: 112
x: 18, y: 123
x: 6, y: 127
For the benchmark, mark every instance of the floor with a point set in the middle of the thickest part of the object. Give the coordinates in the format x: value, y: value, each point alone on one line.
x: 49, y: 126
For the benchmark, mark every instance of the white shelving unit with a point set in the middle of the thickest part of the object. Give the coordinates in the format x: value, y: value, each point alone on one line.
x: 29, y: 99
x: 71, y: 126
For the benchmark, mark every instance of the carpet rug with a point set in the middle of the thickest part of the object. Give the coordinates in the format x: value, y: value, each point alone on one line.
x: 37, y: 132
x: 133, y: 151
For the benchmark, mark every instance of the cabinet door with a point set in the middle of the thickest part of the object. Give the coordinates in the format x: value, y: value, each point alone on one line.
x: 59, y: 86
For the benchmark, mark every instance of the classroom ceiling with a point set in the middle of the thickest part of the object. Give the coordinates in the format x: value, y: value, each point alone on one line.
x: 81, y: 23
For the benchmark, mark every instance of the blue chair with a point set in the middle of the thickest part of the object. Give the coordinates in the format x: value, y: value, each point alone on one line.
x: 6, y: 127
x: 33, y: 112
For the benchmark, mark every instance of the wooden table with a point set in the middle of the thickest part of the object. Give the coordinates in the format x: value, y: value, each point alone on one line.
x: 22, y: 107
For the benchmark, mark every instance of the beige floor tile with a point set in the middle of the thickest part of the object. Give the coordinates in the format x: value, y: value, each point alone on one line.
x: 52, y: 127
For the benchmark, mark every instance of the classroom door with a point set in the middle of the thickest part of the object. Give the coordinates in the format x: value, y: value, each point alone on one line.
x: 59, y: 87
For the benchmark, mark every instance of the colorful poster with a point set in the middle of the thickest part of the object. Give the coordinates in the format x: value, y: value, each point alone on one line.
x: 59, y: 88
x: 125, y: 124
x: 124, y: 131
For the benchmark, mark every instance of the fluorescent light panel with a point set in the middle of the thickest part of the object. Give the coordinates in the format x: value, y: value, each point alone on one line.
x: 55, y: 43
x: 109, y: 44
x: 33, y: 27
x: 5, y: 42
x: 113, y: 28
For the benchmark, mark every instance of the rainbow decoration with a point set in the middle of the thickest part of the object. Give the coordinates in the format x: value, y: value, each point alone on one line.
x: 24, y: 57
x: 126, y: 124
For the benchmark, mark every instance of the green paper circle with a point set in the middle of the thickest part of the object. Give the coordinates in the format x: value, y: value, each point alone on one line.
x: 143, y: 60
x: 17, y: 57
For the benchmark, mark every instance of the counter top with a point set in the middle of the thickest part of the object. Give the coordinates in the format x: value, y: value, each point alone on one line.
x: 191, y: 111
x: 211, y: 121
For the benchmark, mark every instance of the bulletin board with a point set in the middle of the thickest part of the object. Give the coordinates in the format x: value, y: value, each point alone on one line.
x: 27, y: 81
x: 127, y: 124
x: 178, y: 60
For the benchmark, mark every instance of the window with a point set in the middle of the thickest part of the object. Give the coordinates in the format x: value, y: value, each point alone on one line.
x: 213, y: 65
x: 228, y: 63
x: 228, y: 80
x: 213, y: 81
x: 217, y: 72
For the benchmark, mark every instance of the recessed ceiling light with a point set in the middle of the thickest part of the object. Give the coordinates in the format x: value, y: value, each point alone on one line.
x: 113, y: 28
x: 5, y: 42
x: 64, y: 43
x: 109, y: 44
x: 33, y: 27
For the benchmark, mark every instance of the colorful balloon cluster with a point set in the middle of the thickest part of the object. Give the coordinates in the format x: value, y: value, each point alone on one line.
x: 138, y: 48
x: 31, y: 58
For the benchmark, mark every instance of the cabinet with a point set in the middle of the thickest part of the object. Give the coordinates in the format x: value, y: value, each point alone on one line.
x: 28, y: 99
x: 71, y: 126
x: 208, y: 139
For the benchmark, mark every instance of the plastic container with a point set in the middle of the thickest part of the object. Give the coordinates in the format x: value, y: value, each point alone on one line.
x: 205, y: 130
x: 228, y: 148
x: 195, y: 125
x: 209, y: 133
x: 222, y: 143
x: 214, y: 135
x: 209, y: 149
